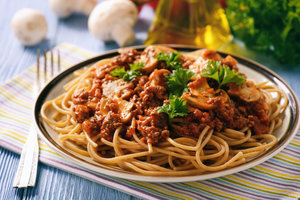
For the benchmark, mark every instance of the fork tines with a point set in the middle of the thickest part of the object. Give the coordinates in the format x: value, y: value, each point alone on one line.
x: 27, y: 169
x: 46, y: 63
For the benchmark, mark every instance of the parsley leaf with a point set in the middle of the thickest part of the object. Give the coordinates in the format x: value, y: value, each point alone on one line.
x: 175, y: 108
x: 130, y: 74
x: 118, y: 72
x: 137, y: 66
x: 172, y: 60
x: 177, y: 81
x: 221, y: 73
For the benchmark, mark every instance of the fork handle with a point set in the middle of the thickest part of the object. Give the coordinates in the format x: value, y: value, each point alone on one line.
x: 27, y: 169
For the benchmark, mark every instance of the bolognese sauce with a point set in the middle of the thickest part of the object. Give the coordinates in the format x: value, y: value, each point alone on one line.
x: 235, y: 106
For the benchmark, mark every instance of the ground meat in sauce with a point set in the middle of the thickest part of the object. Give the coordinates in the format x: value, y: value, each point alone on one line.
x: 193, y: 124
x: 109, y: 125
x: 154, y: 128
x: 82, y: 112
x: 80, y: 97
x: 147, y: 93
x: 126, y: 57
x: 92, y: 125
x: 153, y: 96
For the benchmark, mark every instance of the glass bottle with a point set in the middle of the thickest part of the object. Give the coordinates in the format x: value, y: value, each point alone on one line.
x: 200, y: 23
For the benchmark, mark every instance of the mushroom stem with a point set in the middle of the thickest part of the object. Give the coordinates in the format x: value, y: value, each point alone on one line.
x: 123, y: 34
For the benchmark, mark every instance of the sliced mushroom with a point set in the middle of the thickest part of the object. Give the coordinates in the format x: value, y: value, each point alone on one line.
x: 247, y: 92
x: 197, y: 66
x: 206, y: 54
x: 117, y: 89
x: 158, y: 77
x: 202, y: 96
x: 202, y: 57
x: 103, y: 67
x: 230, y: 62
x: 102, y: 106
x: 124, y: 110
x: 211, y: 55
x: 149, y: 59
x: 195, y: 54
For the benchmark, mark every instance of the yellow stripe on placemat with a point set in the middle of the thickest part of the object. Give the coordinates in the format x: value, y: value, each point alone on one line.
x: 212, y: 190
x: 79, y: 51
x: 254, y: 186
x: 278, y: 173
x: 289, y: 158
x: 281, y: 157
x: 159, y: 190
x: 12, y: 98
x: 296, y: 145
x: 12, y: 135
x: 273, y: 175
x: 295, y: 141
x: 25, y: 85
x: 51, y: 152
x: 7, y: 115
x: 17, y: 137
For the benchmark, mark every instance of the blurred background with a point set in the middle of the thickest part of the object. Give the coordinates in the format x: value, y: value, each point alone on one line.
x: 265, y: 31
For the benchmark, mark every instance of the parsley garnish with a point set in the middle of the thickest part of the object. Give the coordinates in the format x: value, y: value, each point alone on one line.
x: 172, y: 60
x: 177, y: 84
x: 175, y: 108
x: 221, y: 73
x: 118, y: 72
x: 130, y: 74
x: 177, y: 81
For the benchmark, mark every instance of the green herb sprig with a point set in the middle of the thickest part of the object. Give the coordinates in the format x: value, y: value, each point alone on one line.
x: 175, y: 108
x: 221, y: 73
x: 177, y: 81
x: 172, y: 60
x: 128, y: 75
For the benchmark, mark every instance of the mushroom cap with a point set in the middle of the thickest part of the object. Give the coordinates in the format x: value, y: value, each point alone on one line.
x: 62, y: 8
x: 29, y: 26
x: 108, y: 14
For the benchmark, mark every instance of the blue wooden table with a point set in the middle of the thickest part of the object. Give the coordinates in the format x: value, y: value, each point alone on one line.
x: 15, y: 58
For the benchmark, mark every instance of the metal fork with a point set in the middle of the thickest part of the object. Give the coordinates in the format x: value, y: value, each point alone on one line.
x: 27, y: 169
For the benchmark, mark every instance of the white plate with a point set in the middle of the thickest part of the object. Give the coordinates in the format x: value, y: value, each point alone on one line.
x: 252, y: 69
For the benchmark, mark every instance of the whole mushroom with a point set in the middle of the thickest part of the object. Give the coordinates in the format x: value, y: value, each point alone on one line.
x: 64, y: 8
x: 29, y: 26
x: 114, y: 20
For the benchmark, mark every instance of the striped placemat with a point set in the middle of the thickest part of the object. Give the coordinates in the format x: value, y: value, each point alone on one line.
x: 277, y: 178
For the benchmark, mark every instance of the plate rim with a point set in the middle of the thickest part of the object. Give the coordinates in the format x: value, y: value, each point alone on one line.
x: 162, y: 179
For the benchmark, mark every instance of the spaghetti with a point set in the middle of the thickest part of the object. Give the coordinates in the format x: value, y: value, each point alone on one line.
x: 117, y: 123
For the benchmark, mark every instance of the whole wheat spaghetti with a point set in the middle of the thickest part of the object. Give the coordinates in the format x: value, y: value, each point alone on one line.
x: 116, y: 120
